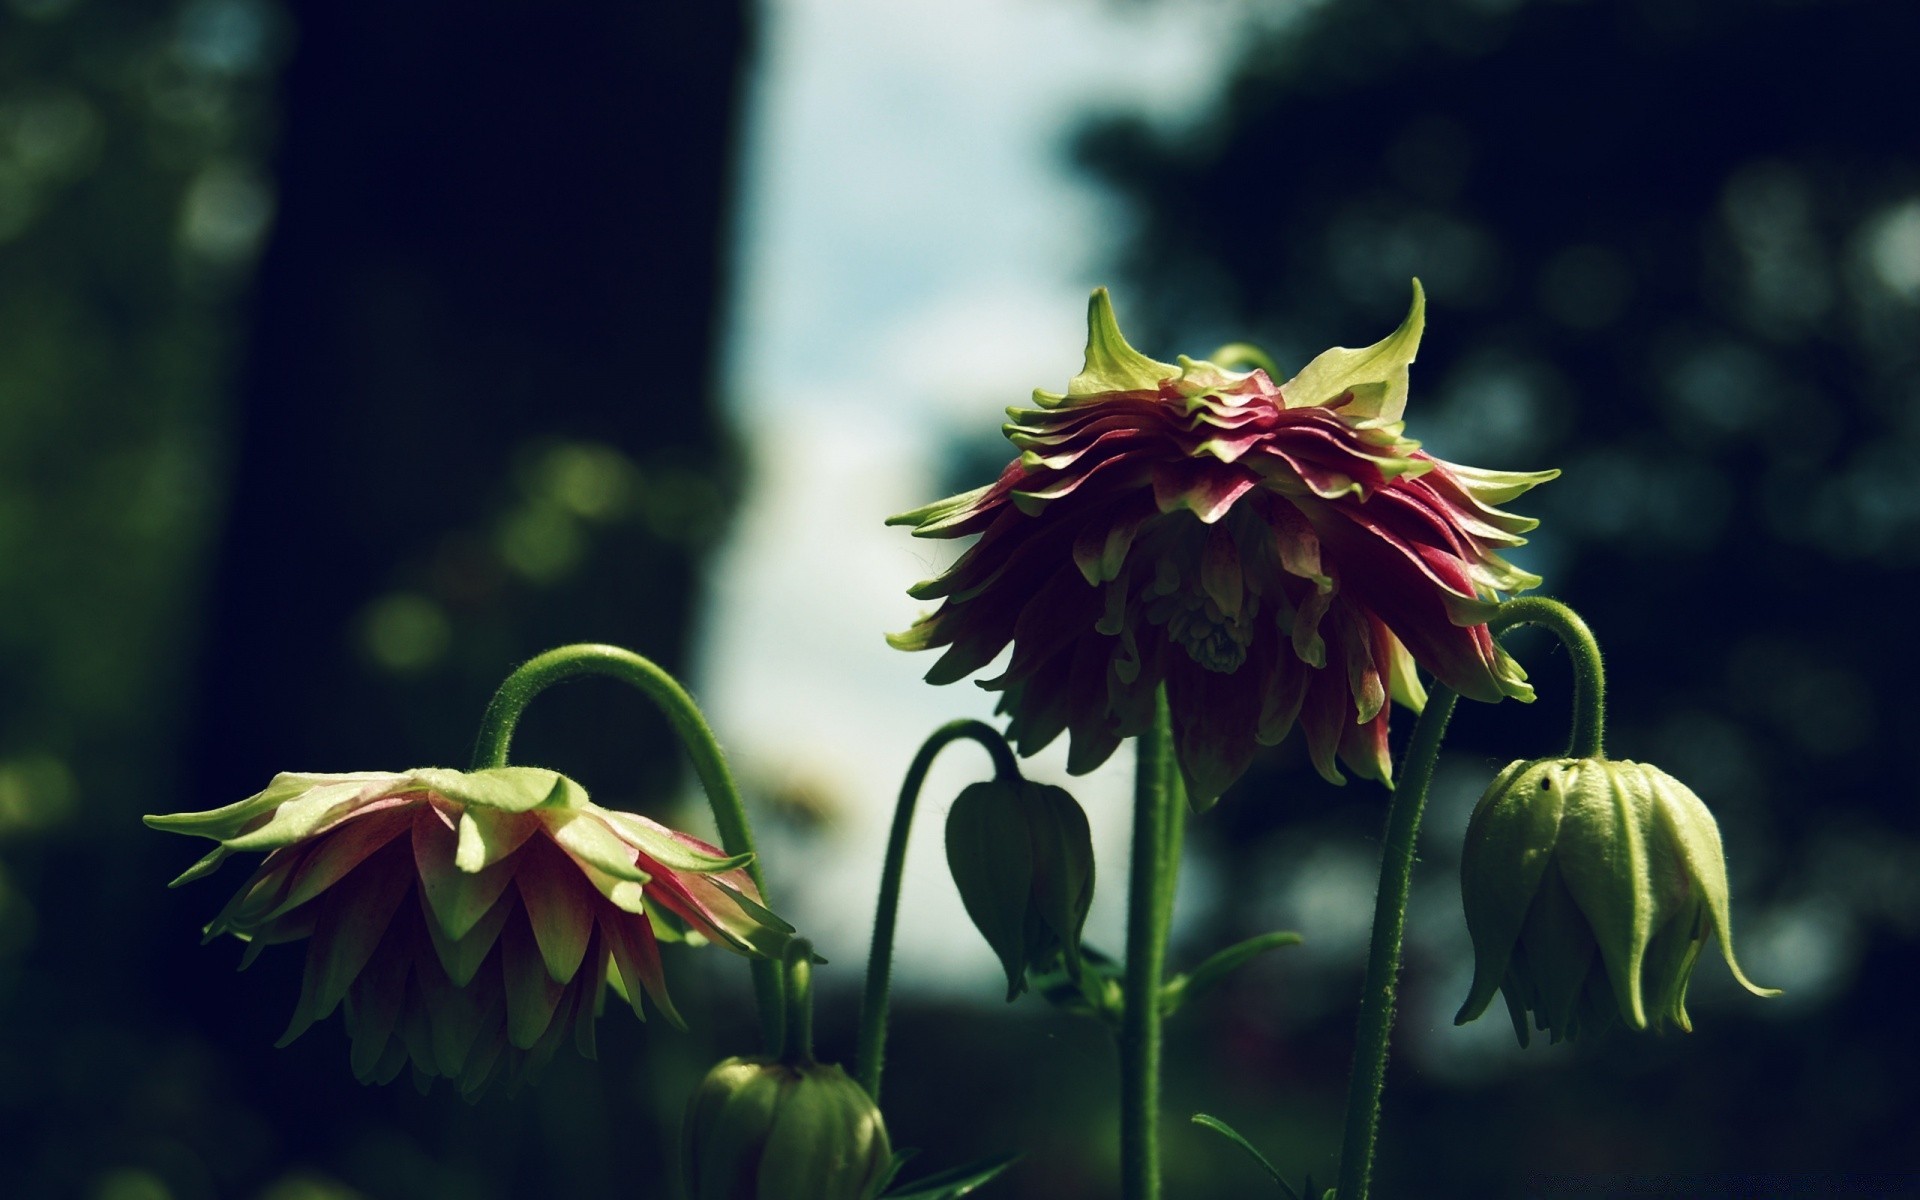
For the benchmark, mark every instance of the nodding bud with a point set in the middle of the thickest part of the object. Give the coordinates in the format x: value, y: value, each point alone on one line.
x: 1022, y: 856
x: 760, y: 1129
x: 1591, y: 887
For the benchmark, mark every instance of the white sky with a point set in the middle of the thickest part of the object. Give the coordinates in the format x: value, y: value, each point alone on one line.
x: 915, y: 255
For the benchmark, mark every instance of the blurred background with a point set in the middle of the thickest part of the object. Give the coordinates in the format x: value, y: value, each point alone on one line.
x: 351, y: 353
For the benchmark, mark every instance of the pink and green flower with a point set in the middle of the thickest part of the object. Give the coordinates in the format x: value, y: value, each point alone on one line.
x: 469, y: 922
x: 1276, y: 555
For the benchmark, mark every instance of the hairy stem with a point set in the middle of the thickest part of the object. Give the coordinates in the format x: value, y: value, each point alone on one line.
x: 1586, y: 740
x: 567, y: 662
x: 1149, y: 911
x: 1383, y: 953
x: 1588, y: 736
x: 873, y: 1003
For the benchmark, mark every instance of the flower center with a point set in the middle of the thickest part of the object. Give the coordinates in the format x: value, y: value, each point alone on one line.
x: 1210, y: 636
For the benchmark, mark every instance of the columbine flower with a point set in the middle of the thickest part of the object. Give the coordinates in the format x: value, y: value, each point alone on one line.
x: 468, y: 920
x: 1591, y: 887
x: 1272, y: 554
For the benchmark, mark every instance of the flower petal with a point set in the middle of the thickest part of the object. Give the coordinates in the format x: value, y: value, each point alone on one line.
x: 637, y: 958
x: 350, y: 924
x: 532, y: 995
x: 462, y: 957
x: 455, y: 899
x: 341, y: 850
x: 559, y: 905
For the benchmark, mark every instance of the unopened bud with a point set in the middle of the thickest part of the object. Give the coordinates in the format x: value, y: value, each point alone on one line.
x: 758, y: 1129
x: 1022, y: 856
x: 1591, y: 887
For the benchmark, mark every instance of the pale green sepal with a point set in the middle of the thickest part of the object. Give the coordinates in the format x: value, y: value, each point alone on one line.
x: 1111, y: 364
x: 1376, y: 375
x: 205, y: 867
x: 504, y: 789
x: 1497, y: 487
x: 486, y: 836
x: 306, y: 814
x: 588, y: 839
x: 227, y: 822
x: 1691, y: 829
x: 662, y: 847
x: 623, y: 894
x: 930, y: 519
x: 1605, y: 861
x: 1510, y: 840
x: 766, y: 933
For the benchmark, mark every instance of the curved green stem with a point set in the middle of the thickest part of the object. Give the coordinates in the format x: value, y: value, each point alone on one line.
x: 798, y: 1048
x: 873, y: 1002
x: 1396, y: 865
x: 1588, y: 737
x: 1149, y: 910
x: 542, y: 671
x: 1383, y: 952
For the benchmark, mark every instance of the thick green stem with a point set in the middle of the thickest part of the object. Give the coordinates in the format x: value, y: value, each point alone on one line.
x: 543, y: 671
x: 798, y: 1047
x: 1383, y: 954
x: 1172, y: 838
x: 1586, y: 740
x: 1149, y: 912
x: 873, y: 1003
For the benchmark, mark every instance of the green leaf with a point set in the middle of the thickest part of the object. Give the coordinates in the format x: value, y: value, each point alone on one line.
x: 1208, y: 974
x: 960, y: 1181
x: 1233, y: 1135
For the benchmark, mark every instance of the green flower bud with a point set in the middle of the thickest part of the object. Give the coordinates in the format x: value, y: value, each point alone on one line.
x: 1591, y: 886
x: 758, y: 1129
x: 1022, y: 856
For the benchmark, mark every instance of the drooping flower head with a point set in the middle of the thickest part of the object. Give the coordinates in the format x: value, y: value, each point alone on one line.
x: 1274, y: 554
x: 469, y: 922
x: 1591, y: 886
